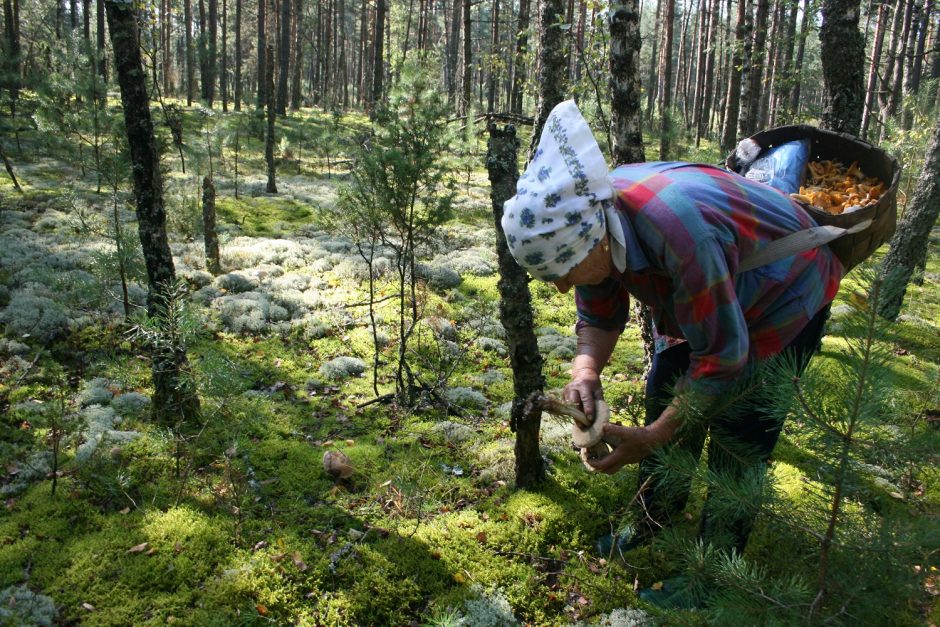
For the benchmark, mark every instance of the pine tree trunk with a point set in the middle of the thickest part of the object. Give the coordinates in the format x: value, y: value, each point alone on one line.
x: 870, y: 101
x: 884, y: 94
x: 894, y: 99
x: 626, y: 118
x: 296, y: 97
x: 378, y: 59
x: 494, y: 50
x: 909, y: 245
x: 102, y: 58
x: 223, y: 76
x: 174, y: 396
x: 515, y: 312
x: 519, y: 67
x: 262, y: 97
x: 747, y: 67
x: 190, y: 60
x: 798, y: 64
x: 773, y: 61
x: 451, y: 50
x: 210, y: 237
x: 283, y: 72
x: 269, y: 135
x: 212, y: 61
x: 756, y: 73
x: 786, y: 79
x: 553, y: 65
x: 467, y: 59
x: 733, y: 99
x: 652, y: 79
x: 917, y: 44
x: 665, y: 111
x: 238, y: 56
x: 704, y: 116
x: 842, y: 55
x: 202, y: 48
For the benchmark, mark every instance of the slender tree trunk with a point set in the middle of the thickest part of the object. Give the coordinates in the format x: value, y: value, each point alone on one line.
x: 296, y: 97
x: 238, y: 55
x: 269, y: 135
x: 733, y: 99
x: 223, y: 74
x: 519, y: 66
x: 909, y: 245
x: 883, y: 13
x: 884, y: 94
x: 652, y: 78
x: 516, y: 312
x: 894, y: 100
x: 262, y: 97
x: 785, y: 83
x: 552, y: 65
x: 756, y: 73
x: 190, y: 60
x: 494, y: 51
x: 467, y: 59
x: 666, y: 109
x: 800, y: 53
x: 773, y: 62
x: 283, y: 72
x: 747, y: 65
x: 626, y: 117
x: 9, y: 168
x: 174, y: 394
x: 378, y: 63
x: 912, y: 81
x: 453, y: 48
x: 100, y: 33
x: 842, y: 56
x: 210, y: 237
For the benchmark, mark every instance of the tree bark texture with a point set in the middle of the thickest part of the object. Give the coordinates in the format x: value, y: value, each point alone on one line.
x: 102, y: 58
x: 553, y: 66
x: 880, y: 28
x: 262, y: 50
x: 800, y: 54
x: 519, y: 67
x: 238, y: 55
x: 756, y: 70
x: 515, y: 310
x: 733, y: 99
x: 909, y: 245
x: 626, y: 118
x: 223, y: 75
x: 210, y: 237
x: 378, y: 59
x: 283, y: 72
x: 296, y: 97
x: 173, y: 394
x: 212, y: 62
x: 269, y: 135
x: 666, y: 109
x: 467, y: 84
x: 190, y: 60
x: 842, y: 52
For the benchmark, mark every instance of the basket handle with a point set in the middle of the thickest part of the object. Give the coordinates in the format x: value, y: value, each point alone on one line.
x: 798, y: 242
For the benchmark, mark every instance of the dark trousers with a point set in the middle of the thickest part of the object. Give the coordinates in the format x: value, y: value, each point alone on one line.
x: 740, y: 443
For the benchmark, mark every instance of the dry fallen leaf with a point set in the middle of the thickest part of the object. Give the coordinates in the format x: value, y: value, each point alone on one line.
x: 298, y: 561
x: 277, y: 557
x: 481, y: 537
x: 140, y: 548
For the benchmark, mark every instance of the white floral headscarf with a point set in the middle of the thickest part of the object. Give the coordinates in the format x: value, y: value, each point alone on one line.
x: 558, y: 213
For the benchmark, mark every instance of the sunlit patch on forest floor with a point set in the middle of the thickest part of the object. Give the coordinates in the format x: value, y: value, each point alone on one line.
x: 234, y: 520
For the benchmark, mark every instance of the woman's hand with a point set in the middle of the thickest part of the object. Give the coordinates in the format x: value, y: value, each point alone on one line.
x: 584, y: 389
x: 636, y: 443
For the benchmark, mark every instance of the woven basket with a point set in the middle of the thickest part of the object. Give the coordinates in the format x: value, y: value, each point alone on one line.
x: 854, y: 248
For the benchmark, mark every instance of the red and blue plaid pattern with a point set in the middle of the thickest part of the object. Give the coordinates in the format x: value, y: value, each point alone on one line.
x: 687, y: 228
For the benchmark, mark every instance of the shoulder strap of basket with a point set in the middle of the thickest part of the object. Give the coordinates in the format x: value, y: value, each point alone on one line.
x: 798, y: 242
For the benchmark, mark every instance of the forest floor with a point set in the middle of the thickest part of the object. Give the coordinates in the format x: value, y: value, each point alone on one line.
x: 235, y: 521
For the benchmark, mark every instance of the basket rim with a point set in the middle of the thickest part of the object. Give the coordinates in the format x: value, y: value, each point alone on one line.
x: 808, y: 130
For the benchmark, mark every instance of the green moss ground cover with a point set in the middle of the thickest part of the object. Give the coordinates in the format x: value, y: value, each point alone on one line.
x: 235, y: 521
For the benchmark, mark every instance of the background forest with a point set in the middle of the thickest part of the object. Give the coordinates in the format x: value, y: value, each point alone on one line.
x: 263, y: 358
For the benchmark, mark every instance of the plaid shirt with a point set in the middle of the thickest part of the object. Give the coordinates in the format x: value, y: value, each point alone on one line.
x: 687, y: 227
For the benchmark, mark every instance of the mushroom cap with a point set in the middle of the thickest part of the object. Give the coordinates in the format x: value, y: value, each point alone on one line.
x: 593, y: 454
x: 586, y: 437
x: 337, y: 464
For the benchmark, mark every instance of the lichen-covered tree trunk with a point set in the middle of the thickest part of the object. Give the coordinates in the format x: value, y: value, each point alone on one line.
x: 269, y: 135
x: 174, y: 396
x: 515, y: 310
x: 909, y: 245
x: 843, y: 53
x: 553, y: 64
x: 210, y: 237
x: 625, y: 116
